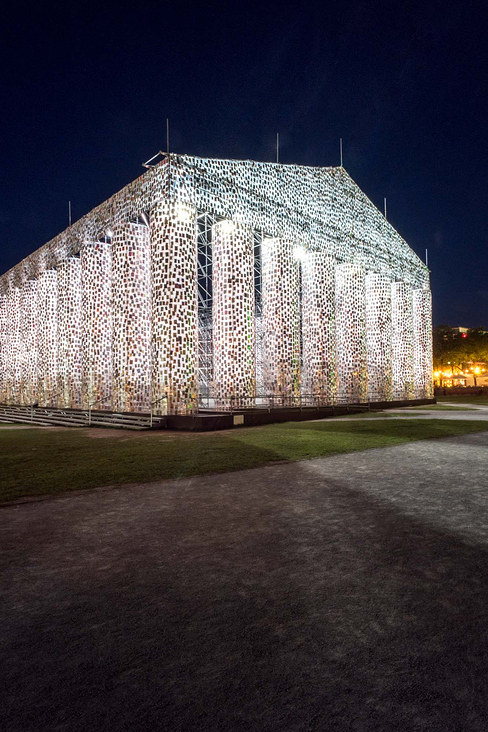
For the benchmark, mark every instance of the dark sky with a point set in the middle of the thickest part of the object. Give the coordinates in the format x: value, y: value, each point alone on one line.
x: 86, y: 89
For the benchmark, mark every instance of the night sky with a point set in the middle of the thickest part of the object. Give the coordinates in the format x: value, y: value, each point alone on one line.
x: 87, y: 88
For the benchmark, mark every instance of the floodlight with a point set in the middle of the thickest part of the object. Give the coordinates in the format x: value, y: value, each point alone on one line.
x: 300, y: 253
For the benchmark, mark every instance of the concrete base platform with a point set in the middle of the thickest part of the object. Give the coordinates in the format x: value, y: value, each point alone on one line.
x: 209, y: 421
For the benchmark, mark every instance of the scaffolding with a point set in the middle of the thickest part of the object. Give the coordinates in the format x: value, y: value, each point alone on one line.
x: 205, y: 222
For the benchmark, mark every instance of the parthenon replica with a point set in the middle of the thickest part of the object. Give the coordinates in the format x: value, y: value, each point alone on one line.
x: 221, y: 284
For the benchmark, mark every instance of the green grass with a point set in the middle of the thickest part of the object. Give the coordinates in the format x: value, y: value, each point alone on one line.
x: 37, y: 462
x: 481, y: 401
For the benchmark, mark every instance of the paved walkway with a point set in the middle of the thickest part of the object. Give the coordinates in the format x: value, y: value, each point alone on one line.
x: 8, y: 426
x: 347, y: 593
x: 472, y: 412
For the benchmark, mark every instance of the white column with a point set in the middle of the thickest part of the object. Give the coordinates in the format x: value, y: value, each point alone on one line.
x: 28, y: 329
x: 319, y: 377
x: 174, y: 309
x: 350, y: 304
x: 70, y: 304
x: 3, y: 349
x: 13, y: 346
x: 47, y: 333
x: 402, y: 340
x: 422, y: 343
x: 96, y: 276
x: 234, y: 331
x: 378, y: 337
x: 281, y: 320
x: 131, y: 278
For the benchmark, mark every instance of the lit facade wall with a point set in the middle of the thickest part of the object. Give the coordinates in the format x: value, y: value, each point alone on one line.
x: 320, y: 208
x: 319, y: 376
x: 378, y: 337
x: 131, y: 343
x: 3, y: 349
x: 234, y: 329
x: 402, y: 340
x: 174, y: 308
x: 280, y: 320
x: 96, y: 276
x: 28, y: 336
x: 70, y: 327
x: 166, y: 292
x: 422, y: 343
x: 13, y: 355
x: 350, y: 308
x: 47, y: 338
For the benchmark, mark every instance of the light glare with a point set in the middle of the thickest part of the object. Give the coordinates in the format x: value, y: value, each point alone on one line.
x: 300, y: 253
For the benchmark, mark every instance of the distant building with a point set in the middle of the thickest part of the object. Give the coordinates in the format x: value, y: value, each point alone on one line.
x: 219, y: 283
x: 474, y: 374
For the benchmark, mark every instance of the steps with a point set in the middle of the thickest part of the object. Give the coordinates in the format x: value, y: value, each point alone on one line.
x: 45, y: 416
x: 204, y: 420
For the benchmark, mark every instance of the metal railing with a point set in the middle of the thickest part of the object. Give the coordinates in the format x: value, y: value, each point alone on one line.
x: 33, y: 410
x: 243, y: 402
x: 182, y: 404
x: 33, y: 407
x: 227, y: 404
x: 236, y: 402
x: 93, y: 404
x: 156, y: 401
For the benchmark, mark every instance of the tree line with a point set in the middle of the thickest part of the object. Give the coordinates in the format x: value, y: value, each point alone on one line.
x: 459, y: 349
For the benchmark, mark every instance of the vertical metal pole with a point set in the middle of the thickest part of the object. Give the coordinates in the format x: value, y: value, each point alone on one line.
x: 384, y: 200
x: 426, y: 257
x: 277, y: 147
x: 167, y: 134
x: 69, y: 213
x: 340, y: 144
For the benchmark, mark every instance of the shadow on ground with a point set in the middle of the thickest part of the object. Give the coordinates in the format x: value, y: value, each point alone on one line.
x: 45, y: 462
x: 288, y: 598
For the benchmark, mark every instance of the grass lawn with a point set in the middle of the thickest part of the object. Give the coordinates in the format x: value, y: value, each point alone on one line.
x: 36, y: 462
x: 481, y: 401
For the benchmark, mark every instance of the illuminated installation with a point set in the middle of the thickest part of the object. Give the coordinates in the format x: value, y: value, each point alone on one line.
x: 234, y: 331
x: 350, y: 342
x: 378, y: 337
x: 70, y: 319
x: 281, y: 319
x: 319, y: 373
x: 219, y: 283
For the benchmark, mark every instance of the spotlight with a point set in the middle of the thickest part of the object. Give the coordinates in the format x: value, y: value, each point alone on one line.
x: 227, y: 226
x: 300, y: 253
x: 183, y: 213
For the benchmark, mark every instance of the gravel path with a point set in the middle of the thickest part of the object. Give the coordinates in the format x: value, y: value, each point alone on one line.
x: 472, y: 413
x: 347, y: 593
